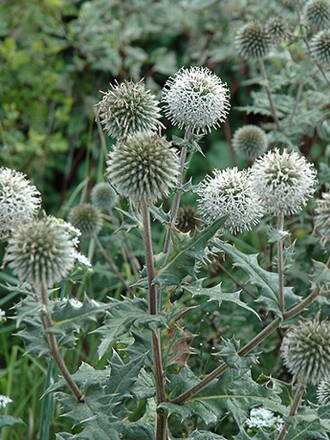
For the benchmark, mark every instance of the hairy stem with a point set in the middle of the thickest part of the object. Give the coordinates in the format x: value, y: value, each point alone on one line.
x: 280, y: 263
x: 108, y: 258
x: 269, y: 95
x: 161, y: 422
x: 248, y: 347
x: 293, y: 410
x: 176, y: 203
x: 54, y: 348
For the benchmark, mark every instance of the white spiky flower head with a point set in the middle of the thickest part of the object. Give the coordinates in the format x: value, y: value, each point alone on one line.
x: 322, y: 219
x: 283, y: 181
x: 103, y: 196
x: 19, y: 200
x: 43, y: 252
x: 127, y: 108
x: 250, y: 141
x: 4, y: 401
x: 143, y: 168
x: 306, y: 350
x: 253, y: 41
x: 229, y: 192
x: 277, y: 29
x: 320, y: 47
x: 196, y: 99
x: 323, y: 392
x: 317, y: 13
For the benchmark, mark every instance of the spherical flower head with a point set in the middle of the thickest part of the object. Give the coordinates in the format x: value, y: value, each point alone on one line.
x: 250, y: 141
x: 253, y: 41
x: 41, y: 252
x: 127, y: 108
x: 103, y: 196
x: 188, y: 219
x: 283, y: 181
x: 322, y: 219
x: 229, y: 192
x: 277, y: 29
x: 87, y: 218
x: 196, y: 99
x: 320, y: 47
x: 323, y: 392
x: 317, y: 13
x: 143, y: 167
x: 306, y: 350
x: 19, y: 200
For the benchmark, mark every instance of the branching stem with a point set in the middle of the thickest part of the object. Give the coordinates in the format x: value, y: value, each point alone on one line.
x: 269, y: 95
x: 161, y: 422
x: 54, y: 348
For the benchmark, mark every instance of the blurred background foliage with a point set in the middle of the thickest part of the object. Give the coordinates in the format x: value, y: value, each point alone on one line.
x: 55, y: 58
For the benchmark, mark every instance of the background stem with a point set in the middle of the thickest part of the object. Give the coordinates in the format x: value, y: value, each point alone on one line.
x: 293, y: 410
x: 280, y: 263
x: 269, y: 95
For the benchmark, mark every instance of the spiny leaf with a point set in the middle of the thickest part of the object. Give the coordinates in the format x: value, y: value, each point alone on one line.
x: 9, y: 421
x: 216, y: 293
x: 182, y: 260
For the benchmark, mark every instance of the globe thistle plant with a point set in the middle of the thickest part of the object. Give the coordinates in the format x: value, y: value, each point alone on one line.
x: 103, y: 196
x: 320, y: 47
x: 250, y: 141
x: 188, y: 219
x: 253, y: 41
x: 41, y: 252
x: 143, y: 168
x: 277, y: 29
x: 322, y: 219
x: 323, y: 392
x: 127, y: 108
x: 196, y: 99
x: 283, y: 181
x: 19, y: 200
x: 229, y: 192
x: 306, y: 350
x: 87, y: 218
x: 317, y: 13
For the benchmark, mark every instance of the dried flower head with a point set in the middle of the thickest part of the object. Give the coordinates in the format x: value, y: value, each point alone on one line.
x: 4, y: 401
x: 41, y: 252
x: 229, y: 192
x: 19, y: 200
x: 320, y: 47
x: 323, y: 392
x: 262, y: 419
x: 188, y: 219
x: 317, y: 13
x: 253, y: 41
x: 196, y: 99
x: 306, y: 350
x: 143, y: 167
x: 250, y: 142
x: 104, y: 196
x: 283, y: 181
x: 87, y: 218
x: 277, y: 29
x: 127, y: 108
x: 322, y: 219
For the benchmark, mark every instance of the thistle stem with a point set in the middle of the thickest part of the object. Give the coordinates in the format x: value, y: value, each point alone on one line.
x: 280, y: 263
x: 54, y: 348
x: 293, y: 410
x: 176, y: 203
x: 161, y: 423
x: 269, y: 95
x: 248, y: 347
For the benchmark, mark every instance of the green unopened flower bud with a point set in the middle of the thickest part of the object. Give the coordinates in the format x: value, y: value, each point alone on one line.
x: 249, y: 142
x: 104, y: 196
x: 252, y: 41
x: 320, y: 47
x: 188, y: 219
x: 317, y: 13
x: 87, y: 218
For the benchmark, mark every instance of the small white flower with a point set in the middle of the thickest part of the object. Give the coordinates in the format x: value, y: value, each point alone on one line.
x: 19, y: 200
x: 230, y: 193
x: 4, y: 401
x: 196, y: 99
x: 283, y: 181
x: 2, y: 315
x: 263, y: 419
